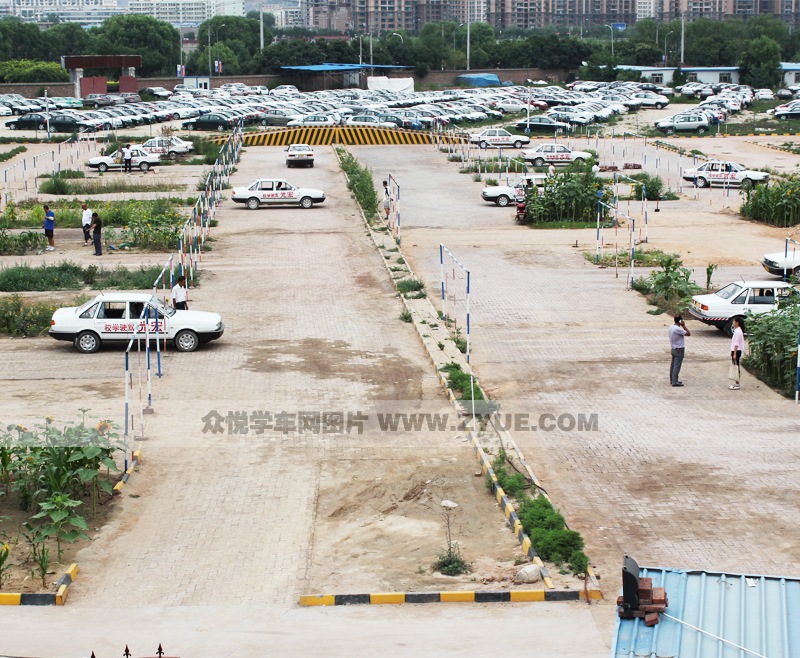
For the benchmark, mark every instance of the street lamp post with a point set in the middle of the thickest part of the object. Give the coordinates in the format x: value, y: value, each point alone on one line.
x: 395, y: 34
x: 210, y: 70
x: 469, y: 20
x: 665, y: 46
x: 612, y: 40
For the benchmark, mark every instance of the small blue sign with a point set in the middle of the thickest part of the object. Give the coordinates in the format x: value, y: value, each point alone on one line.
x: 619, y: 26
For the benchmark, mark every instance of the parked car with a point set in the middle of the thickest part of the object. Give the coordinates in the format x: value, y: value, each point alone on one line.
x: 738, y: 299
x: 498, y: 137
x: 781, y: 263
x: 98, y: 100
x: 558, y: 154
x: 141, y: 160
x: 211, y: 121
x: 284, y: 89
x: 369, y: 122
x: 280, y: 117
x: 319, y: 120
x: 695, y: 122
x: 299, y: 154
x: 114, y: 317
x: 158, y: 92
x: 170, y: 147
x: 276, y: 191
x: 719, y: 172
x: 544, y: 124
x: 502, y: 195
x: 786, y: 113
x: 764, y: 95
x: 31, y: 121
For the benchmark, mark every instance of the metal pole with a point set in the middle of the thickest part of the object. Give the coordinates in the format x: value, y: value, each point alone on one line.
x: 441, y: 275
x: 469, y: 15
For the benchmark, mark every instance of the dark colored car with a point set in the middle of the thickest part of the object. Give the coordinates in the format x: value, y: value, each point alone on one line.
x: 544, y: 125
x: 31, y: 121
x: 211, y: 121
x: 68, y: 123
x: 97, y: 100
x: 788, y: 113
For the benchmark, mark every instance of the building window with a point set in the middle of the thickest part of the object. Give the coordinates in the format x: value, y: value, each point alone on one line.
x: 797, y: 78
x: 657, y: 78
x: 725, y: 77
x: 691, y: 77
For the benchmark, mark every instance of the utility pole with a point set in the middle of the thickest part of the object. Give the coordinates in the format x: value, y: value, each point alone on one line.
x: 261, y: 24
x: 209, y: 51
x: 683, y: 37
x: 469, y: 16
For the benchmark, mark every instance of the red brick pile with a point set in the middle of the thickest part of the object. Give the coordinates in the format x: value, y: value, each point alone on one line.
x: 652, y: 601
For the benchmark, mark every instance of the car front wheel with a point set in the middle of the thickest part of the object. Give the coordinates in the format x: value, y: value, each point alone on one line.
x: 747, y: 184
x: 221, y: 127
x: 253, y: 203
x: 538, y: 162
x: 172, y: 155
x: 502, y: 200
x: 306, y: 202
x: 701, y: 130
x: 728, y: 328
x: 483, y: 145
x: 518, y: 144
x: 186, y: 341
x: 144, y: 166
x: 659, y: 106
x: 87, y: 342
x: 702, y: 182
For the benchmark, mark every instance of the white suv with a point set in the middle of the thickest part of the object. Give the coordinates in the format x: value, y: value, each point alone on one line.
x: 502, y: 195
x: 736, y: 300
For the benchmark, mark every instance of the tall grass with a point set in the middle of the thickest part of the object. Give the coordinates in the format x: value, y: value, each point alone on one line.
x: 113, y: 213
x: 773, y: 346
x: 62, y: 187
x: 776, y: 204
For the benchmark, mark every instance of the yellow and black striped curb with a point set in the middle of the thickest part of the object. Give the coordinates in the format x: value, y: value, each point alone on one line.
x: 59, y: 597
x: 774, y: 147
x: 724, y: 135
x: 679, y: 150
x: 344, y: 135
x: 137, y: 459
x: 507, y: 596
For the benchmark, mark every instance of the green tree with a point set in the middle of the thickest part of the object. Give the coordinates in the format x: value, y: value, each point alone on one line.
x: 157, y: 42
x: 20, y: 40
x: 66, y: 39
x: 760, y: 63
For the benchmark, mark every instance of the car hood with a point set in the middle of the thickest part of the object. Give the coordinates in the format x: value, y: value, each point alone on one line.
x: 780, y: 256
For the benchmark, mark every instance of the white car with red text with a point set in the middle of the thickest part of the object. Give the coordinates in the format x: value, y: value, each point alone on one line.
x: 276, y: 191
x: 120, y: 316
x: 558, y: 154
x: 719, y: 172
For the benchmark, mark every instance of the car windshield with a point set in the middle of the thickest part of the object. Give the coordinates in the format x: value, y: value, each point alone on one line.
x: 158, y: 304
x: 729, y: 292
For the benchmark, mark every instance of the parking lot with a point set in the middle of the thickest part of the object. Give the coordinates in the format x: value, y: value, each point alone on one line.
x: 689, y: 478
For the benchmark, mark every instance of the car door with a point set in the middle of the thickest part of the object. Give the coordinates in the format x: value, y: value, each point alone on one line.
x: 761, y: 300
x: 561, y: 154
x: 112, y: 321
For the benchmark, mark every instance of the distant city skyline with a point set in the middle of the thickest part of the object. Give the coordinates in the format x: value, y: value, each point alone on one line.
x: 379, y: 16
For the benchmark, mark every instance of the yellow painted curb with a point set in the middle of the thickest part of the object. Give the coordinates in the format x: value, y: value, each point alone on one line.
x: 10, y: 599
x: 457, y: 597
x: 61, y: 595
x: 392, y: 597
x: 527, y: 595
x: 73, y: 570
x: 593, y: 595
x: 317, y: 600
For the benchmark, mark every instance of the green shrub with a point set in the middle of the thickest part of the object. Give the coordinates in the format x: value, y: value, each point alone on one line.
x: 18, y: 318
x: 13, y: 152
x: 652, y: 185
x: 776, y: 204
x: 21, y: 243
x: 405, y: 286
x: 671, y: 288
x: 550, y: 538
x: 569, y: 196
x: 451, y: 563
x: 360, y: 183
x: 772, y: 338
x: 514, y: 484
x: 71, y: 276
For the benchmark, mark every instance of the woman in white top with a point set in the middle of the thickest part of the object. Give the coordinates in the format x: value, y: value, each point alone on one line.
x: 737, y: 347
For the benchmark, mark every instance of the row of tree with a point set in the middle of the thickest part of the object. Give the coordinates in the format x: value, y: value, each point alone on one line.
x: 757, y: 45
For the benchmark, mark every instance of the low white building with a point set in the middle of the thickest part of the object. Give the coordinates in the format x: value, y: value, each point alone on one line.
x: 662, y: 75
x: 791, y: 73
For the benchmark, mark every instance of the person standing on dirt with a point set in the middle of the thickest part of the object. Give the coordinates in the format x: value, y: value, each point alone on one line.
x: 737, y: 347
x: 86, y: 223
x: 97, y: 230
x: 179, y: 302
x: 49, y: 228
x: 677, y: 345
x: 127, y: 159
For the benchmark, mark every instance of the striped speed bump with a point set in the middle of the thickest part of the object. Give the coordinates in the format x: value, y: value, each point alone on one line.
x: 395, y: 598
x: 59, y: 597
x: 137, y: 459
x: 344, y: 135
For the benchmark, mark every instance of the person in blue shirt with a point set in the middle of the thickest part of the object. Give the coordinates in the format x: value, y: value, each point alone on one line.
x: 49, y: 228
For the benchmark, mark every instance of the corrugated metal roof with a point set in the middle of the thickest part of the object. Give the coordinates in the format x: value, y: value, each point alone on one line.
x: 759, y: 613
x: 329, y: 68
x: 790, y: 66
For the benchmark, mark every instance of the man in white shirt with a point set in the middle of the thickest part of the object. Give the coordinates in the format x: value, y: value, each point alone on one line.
x: 179, y: 297
x: 86, y: 222
x: 127, y: 159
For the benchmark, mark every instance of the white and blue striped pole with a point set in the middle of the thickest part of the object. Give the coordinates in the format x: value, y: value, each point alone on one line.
x: 469, y: 326
x: 127, y: 404
x: 797, y: 373
x: 441, y: 275
x: 149, y: 408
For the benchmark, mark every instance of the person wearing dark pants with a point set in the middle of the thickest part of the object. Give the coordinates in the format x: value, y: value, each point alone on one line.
x: 127, y: 159
x: 97, y: 230
x: 86, y: 222
x: 677, y: 344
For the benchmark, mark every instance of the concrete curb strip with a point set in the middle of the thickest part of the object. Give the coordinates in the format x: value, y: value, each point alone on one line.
x: 137, y: 459
x: 416, y: 307
x: 467, y: 596
x: 59, y: 597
